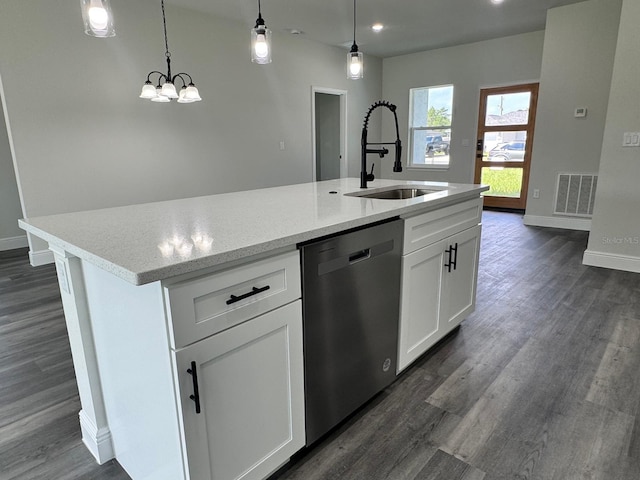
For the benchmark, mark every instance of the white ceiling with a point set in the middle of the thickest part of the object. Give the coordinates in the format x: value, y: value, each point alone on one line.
x: 410, y: 25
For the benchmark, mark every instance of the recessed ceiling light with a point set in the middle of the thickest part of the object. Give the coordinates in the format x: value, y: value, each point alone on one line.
x: 377, y: 27
x: 497, y: 2
x: 294, y: 31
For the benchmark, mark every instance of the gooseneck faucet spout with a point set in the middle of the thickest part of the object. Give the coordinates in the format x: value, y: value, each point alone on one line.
x: 397, y: 166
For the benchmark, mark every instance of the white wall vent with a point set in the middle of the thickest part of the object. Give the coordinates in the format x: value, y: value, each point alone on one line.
x: 575, y: 194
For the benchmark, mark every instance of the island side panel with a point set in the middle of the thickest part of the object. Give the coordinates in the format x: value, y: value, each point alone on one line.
x: 134, y: 361
x: 93, y: 420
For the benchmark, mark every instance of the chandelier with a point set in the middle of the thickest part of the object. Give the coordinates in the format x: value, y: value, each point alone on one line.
x: 165, y: 88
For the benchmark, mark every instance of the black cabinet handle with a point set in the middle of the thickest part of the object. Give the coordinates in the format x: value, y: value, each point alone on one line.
x: 196, y: 393
x: 254, y: 291
x: 448, y: 264
x: 452, y: 262
x: 455, y: 256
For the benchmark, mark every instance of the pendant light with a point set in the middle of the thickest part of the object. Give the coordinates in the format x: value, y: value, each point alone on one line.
x: 165, y: 89
x: 260, y: 41
x: 355, y: 63
x: 97, y: 17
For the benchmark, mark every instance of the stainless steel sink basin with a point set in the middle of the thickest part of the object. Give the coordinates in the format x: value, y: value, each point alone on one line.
x: 396, y: 193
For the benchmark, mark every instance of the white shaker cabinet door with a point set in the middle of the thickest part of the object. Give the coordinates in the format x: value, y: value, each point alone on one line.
x: 250, y: 396
x: 460, y: 279
x: 420, y: 303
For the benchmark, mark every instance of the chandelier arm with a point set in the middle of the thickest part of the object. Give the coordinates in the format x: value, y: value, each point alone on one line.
x: 159, y: 73
x: 179, y: 75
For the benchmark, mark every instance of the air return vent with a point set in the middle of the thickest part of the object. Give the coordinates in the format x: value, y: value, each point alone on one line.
x: 575, y: 194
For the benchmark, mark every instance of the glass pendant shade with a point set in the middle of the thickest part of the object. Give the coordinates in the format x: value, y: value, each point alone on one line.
x: 169, y: 90
x: 261, y: 45
x: 355, y: 65
x: 191, y: 93
x: 98, y: 18
x: 182, y: 96
x: 159, y: 97
x: 148, y: 91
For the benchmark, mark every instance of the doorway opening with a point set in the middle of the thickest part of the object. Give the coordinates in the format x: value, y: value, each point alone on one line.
x: 329, y: 119
x: 506, y: 124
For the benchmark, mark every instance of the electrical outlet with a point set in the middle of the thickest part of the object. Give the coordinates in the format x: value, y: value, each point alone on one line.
x: 631, y: 139
x: 536, y: 193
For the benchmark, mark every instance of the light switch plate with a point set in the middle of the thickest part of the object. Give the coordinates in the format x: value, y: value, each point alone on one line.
x: 631, y: 139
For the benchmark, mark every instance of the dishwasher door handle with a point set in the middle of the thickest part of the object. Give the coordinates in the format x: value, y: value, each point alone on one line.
x: 360, y: 255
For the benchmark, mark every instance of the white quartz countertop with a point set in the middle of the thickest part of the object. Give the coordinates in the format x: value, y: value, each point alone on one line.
x: 156, y: 241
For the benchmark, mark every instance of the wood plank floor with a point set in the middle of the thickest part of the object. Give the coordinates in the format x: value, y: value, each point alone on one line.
x: 541, y: 382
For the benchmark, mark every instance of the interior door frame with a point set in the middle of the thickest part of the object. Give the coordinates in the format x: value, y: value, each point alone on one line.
x: 343, y: 129
x: 507, y: 202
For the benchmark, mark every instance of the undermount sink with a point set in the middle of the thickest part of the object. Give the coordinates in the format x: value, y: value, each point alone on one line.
x: 401, y: 193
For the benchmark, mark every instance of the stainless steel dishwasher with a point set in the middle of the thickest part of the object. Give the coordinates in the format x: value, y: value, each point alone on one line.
x: 351, y: 295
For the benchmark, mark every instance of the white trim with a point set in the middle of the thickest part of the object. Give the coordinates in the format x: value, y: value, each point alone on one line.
x: 97, y: 440
x: 568, y: 223
x: 16, y: 170
x: 11, y: 243
x: 344, y: 162
x: 611, y: 260
x: 40, y: 257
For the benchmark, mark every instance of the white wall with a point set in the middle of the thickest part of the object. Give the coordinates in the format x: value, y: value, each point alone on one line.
x: 614, y: 240
x: 10, y: 235
x: 504, y: 61
x: 577, y: 63
x: 84, y: 140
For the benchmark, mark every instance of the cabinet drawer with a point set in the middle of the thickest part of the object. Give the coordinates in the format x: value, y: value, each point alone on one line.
x: 210, y: 304
x: 427, y: 228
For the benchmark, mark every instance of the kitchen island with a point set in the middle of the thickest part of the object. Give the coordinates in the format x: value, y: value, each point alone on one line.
x: 184, y: 316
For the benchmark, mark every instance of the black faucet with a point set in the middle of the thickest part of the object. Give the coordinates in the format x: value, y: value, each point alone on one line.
x: 397, y: 166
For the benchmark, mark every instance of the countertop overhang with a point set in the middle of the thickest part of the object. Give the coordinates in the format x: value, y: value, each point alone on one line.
x: 155, y: 241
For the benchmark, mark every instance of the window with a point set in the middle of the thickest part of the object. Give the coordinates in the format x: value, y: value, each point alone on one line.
x: 430, y: 126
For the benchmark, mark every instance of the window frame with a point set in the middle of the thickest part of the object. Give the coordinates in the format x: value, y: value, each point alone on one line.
x: 411, y: 129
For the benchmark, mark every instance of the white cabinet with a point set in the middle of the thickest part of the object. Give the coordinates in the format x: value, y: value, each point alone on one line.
x: 250, y: 397
x: 239, y: 373
x: 439, y: 276
x: 458, y: 293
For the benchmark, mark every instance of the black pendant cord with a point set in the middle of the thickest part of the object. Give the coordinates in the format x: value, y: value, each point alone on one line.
x: 354, y: 22
x: 259, y: 20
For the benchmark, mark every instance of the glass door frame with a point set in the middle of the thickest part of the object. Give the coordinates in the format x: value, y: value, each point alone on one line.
x: 518, y: 203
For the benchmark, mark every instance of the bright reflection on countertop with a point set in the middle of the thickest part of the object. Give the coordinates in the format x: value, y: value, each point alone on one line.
x: 180, y: 246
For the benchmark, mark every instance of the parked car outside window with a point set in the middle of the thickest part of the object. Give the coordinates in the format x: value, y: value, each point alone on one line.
x: 436, y: 144
x: 507, y: 152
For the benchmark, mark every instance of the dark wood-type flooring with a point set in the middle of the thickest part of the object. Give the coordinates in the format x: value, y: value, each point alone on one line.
x: 541, y: 382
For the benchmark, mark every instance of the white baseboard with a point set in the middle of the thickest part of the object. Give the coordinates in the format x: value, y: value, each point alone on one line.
x: 41, y: 257
x: 98, y: 441
x: 568, y: 223
x: 611, y: 260
x: 12, y: 243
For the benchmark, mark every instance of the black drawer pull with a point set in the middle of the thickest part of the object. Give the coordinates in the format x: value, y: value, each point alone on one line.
x: 196, y: 393
x: 254, y: 291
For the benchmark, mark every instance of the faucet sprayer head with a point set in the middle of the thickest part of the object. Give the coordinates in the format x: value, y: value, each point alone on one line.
x: 397, y: 165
